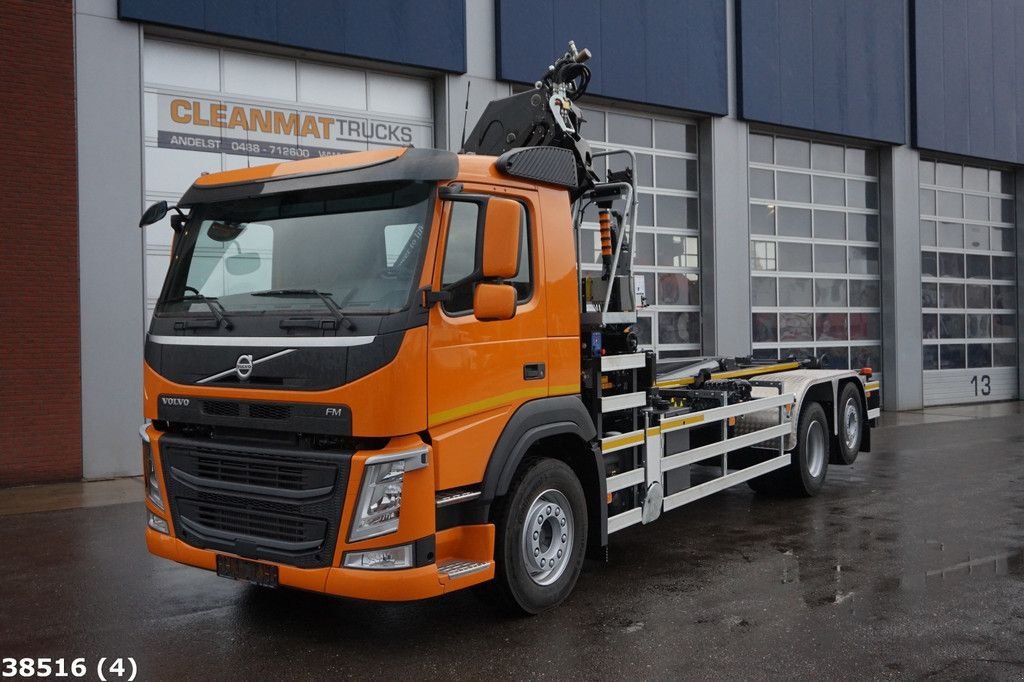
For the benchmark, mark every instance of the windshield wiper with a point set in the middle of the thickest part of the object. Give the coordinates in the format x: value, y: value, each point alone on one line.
x: 215, y: 306
x: 322, y: 295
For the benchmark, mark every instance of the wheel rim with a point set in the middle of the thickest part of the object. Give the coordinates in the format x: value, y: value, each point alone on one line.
x: 851, y: 424
x: 815, y: 447
x: 547, y: 537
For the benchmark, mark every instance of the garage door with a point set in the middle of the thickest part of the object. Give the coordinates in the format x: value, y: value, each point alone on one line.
x: 968, y: 292
x: 666, y: 243
x: 209, y: 109
x: 814, y: 250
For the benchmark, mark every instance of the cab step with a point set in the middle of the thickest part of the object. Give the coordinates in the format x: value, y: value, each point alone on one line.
x: 458, y: 568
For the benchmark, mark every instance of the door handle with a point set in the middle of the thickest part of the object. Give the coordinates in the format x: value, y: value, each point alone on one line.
x: 533, y: 371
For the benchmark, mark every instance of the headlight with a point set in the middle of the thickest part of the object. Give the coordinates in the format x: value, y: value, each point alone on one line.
x: 152, y: 481
x: 380, y: 499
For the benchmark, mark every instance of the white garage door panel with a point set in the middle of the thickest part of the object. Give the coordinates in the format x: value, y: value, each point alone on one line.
x: 179, y: 65
x: 259, y: 76
x: 332, y: 86
x: 171, y: 171
x: 970, y: 386
x: 397, y: 95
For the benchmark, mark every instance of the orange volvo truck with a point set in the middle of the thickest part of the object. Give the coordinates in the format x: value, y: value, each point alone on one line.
x: 384, y: 375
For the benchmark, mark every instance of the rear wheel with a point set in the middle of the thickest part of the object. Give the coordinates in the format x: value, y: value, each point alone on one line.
x: 805, y: 474
x: 851, y: 423
x: 541, y: 537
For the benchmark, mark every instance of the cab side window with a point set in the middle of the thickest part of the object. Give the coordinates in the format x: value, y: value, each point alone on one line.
x: 460, y: 258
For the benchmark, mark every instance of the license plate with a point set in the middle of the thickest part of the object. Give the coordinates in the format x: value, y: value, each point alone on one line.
x: 264, y: 575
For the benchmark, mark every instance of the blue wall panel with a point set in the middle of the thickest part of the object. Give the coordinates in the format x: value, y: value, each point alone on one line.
x: 664, y: 52
x: 426, y: 33
x: 969, y: 77
x: 832, y: 66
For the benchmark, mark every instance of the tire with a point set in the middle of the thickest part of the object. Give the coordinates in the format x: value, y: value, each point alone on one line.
x: 806, y: 472
x: 851, y: 424
x: 547, y: 497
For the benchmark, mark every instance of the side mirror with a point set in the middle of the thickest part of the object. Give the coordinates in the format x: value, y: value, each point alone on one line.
x: 244, y: 264
x: 501, y: 239
x: 494, y: 302
x: 154, y: 214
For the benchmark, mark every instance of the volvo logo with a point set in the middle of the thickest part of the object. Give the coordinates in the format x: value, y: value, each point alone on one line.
x: 243, y: 367
x: 179, y: 402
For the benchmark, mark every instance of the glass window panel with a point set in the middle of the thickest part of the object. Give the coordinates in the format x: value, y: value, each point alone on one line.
x: 949, y: 205
x: 930, y: 326
x: 795, y: 153
x: 796, y: 292
x: 979, y: 326
x: 1004, y: 355
x: 1002, y: 240
x: 670, y: 135
x: 951, y: 295
x: 796, y: 326
x: 976, y: 237
x: 928, y: 233
x: 831, y: 326
x: 795, y: 257
x: 975, y: 207
x: 951, y: 356
x: 762, y: 184
x: 861, y: 161
x: 829, y: 191
x: 691, y: 139
x: 678, y: 289
x: 800, y: 352
x: 762, y: 291
x: 838, y: 357
x: 761, y: 149
x: 765, y: 353
x: 929, y: 295
x: 631, y: 130
x: 866, y: 356
x: 863, y: 260
x: 1001, y: 210
x: 1003, y: 297
x: 949, y: 175
x: 676, y: 327
x: 590, y: 246
x: 830, y: 293
x: 864, y: 293
x: 649, y: 288
x: 978, y: 296
x: 978, y: 267
x: 827, y: 157
x: 692, y: 213
x: 763, y: 256
x: 595, y: 125
x: 1004, y: 326
x: 975, y: 179
x: 691, y: 252
x: 671, y: 250
x: 862, y: 228
x: 644, y: 169
x: 1000, y: 182
x: 861, y: 194
x: 829, y: 225
x: 927, y: 202
x: 828, y: 258
x: 1003, y: 267
x: 643, y: 244
x: 671, y: 211
x: 927, y: 169
x: 951, y: 326
x: 643, y: 331
x: 766, y: 327
x: 929, y: 264
x: 794, y: 222
x: 645, y: 210
x: 793, y: 186
x: 951, y: 265
x: 931, y: 357
x: 762, y: 219
x: 864, y: 326
x: 670, y: 172
x: 951, y: 235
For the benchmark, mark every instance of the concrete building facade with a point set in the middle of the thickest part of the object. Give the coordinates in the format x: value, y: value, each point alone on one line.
x: 822, y: 177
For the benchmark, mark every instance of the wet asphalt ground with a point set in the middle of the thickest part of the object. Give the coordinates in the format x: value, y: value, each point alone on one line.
x: 910, y: 565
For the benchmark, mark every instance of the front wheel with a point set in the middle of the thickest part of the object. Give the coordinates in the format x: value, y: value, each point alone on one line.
x: 541, y: 537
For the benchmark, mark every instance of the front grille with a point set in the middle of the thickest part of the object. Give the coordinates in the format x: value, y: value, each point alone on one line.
x: 221, y: 408
x: 270, y: 503
x: 266, y: 411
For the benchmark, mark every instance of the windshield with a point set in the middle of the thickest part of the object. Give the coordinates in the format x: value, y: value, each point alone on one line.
x: 358, y: 247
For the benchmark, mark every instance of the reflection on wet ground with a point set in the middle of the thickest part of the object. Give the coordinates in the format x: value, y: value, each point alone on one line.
x: 911, y: 564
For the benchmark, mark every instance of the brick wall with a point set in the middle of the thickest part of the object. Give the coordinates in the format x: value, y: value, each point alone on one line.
x: 40, y: 378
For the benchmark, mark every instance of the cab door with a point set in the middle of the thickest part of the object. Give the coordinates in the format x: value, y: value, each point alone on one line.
x: 480, y: 371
